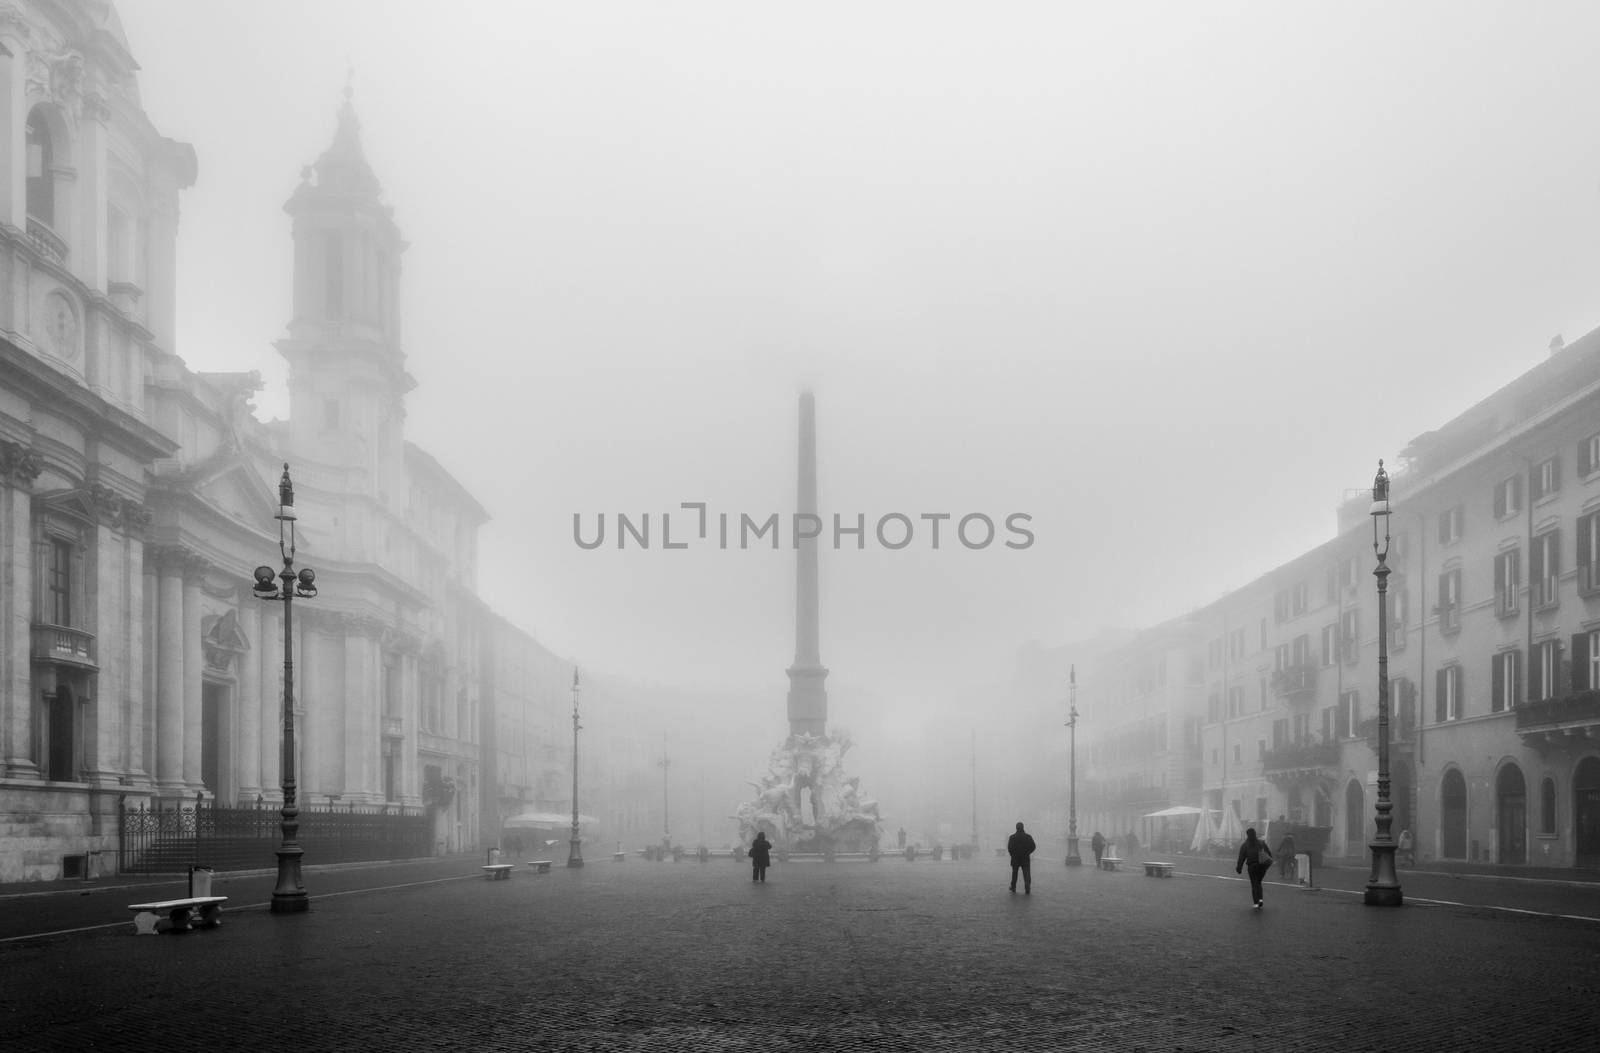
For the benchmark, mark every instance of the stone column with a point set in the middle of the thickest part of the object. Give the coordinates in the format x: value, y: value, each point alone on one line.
x: 250, y: 701
x: 308, y: 702
x: 808, y: 699
x: 105, y: 733
x: 169, y: 674
x: 410, y: 706
x: 269, y: 658
x: 359, y: 695
x: 13, y: 138
x: 19, y: 466
x: 193, y: 664
x: 137, y: 631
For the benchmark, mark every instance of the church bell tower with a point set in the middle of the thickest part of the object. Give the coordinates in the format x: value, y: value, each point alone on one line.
x: 347, y: 375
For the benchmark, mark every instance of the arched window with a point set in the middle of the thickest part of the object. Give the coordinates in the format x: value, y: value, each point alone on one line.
x: 41, y: 162
x: 1453, y: 815
x: 1547, y: 806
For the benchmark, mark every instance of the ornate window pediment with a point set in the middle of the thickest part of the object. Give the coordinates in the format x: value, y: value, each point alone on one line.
x: 222, y: 641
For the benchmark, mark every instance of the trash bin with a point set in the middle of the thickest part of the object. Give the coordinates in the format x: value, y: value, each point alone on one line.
x: 200, y: 881
x: 1302, y: 869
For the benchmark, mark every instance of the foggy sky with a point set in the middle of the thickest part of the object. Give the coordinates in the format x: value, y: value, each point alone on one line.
x: 1167, y: 277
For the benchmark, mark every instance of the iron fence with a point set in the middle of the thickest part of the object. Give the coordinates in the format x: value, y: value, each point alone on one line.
x: 170, y: 837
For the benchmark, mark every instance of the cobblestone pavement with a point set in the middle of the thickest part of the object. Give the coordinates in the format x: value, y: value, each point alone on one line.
x: 893, y: 955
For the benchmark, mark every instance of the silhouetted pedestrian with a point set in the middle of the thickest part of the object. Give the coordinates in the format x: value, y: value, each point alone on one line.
x: 1098, y: 843
x: 1286, y: 855
x: 1254, y: 854
x: 760, y: 857
x: 1021, y: 847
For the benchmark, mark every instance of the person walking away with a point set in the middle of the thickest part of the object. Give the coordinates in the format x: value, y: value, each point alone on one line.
x: 1020, y: 845
x: 1254, y: 854
x: 1098, y: 843
x: 1286, y: 856
x: 760, y: 857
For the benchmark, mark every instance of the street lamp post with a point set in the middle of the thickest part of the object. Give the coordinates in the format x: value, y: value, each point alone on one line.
x: 974, y: 790
x: 1383, y: 888
x: 666, y: 805
x: 575, y: 855
x: 1073, y: 859
x: 289, y: 894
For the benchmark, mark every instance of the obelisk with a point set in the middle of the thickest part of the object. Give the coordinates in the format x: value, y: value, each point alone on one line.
x: 808, y: 699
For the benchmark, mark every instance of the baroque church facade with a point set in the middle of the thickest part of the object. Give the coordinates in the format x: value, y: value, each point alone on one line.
x: 136, y: 495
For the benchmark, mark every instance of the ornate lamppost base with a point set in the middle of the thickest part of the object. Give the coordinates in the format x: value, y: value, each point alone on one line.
x: 289, y: 897
x: 1073, y: 859
x: 575, y: 855
x: 1383, y: 888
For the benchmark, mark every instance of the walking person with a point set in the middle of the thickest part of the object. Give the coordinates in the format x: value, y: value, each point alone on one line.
x: 1098, y: 843
x: 760, y: 857
x: 1021, y: 847
x: 1254, y: 854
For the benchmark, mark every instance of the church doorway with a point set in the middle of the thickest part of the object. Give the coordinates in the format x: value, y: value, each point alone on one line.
x: 1586, y: 813
x: 61, y: 714
x: 1354, y: 818
x: 213, y: 697
x: 1453, y: 815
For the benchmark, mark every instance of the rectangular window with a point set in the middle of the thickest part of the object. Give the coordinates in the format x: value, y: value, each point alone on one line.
x: 1544, y: 567
x: 1261, y: 748
x: 1214, y: 707
x: 1235, y: 701
x: 1327, y: 723
x: 1546, y: 666
x: 1507, y: 570
x: 1546, y: 478
x: 1349, y: 713
x: 1447, y: 694
x: 1280, y: 657
x: 1302, y: 726
x: 1506, y: 668
x: 1280, y: 606
x: 1300, y: 651
x: 1589, y: 455
x: 333, y: 274
x: 1280, y: 733
x: 1298, y: 599
x: 1586, y: 661
x: 1450, y: 525
x: 1507, y: 497
x: 60, y: 582
x: 1350, y: 634
x: 1263, y: 694
x: 1399, y: 614
x: 1236, y: 645
x: 1330, y: 644
x: 1589, y: 553
x: 1263, y: 634
x: 1450, y: 600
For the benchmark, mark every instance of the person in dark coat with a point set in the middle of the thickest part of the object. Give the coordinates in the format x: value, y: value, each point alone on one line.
x: 1021, y: 847
x: 1286, y: 856
x: 1098, y: 843
x: 1255, y: 854
x: 760, y: 857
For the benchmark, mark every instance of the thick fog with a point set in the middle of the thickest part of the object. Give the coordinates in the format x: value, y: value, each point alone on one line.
x: 1166, y: 278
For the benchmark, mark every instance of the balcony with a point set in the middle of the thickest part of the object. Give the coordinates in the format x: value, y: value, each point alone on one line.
x: 1296, y: 683
x: 1299, y: 762
x: 60, y: 645
x: 1567, y: 722
x: 45, y: 241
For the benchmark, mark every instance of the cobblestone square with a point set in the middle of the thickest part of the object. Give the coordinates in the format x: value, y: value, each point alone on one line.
x: 892, y: 955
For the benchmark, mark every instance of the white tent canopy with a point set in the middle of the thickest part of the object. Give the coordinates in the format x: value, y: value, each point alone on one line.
x: 1176, y: 810
x: 538, y: 820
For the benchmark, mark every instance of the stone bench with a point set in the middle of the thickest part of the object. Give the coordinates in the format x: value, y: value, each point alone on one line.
x: 540, y: 866
x: 1109, y: 862
x: 1157, y: 869
x: 179, y: 912
x: 498, y: 871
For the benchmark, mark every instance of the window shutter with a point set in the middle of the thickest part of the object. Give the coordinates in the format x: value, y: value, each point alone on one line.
x: 1516, y: 491
x: 1497, y: 693
x: 1438, y: 696
x: 1555, y: 474
x: 1580, y: 662
x: 1585, y: 465
x: 1499, y: 501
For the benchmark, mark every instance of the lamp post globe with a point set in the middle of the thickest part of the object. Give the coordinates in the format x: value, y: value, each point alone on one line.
x: 1383, y: 886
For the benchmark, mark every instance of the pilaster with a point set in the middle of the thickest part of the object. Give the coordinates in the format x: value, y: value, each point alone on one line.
x: 250, y: 702
x: 19, y: 467
x: 193, y: 663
